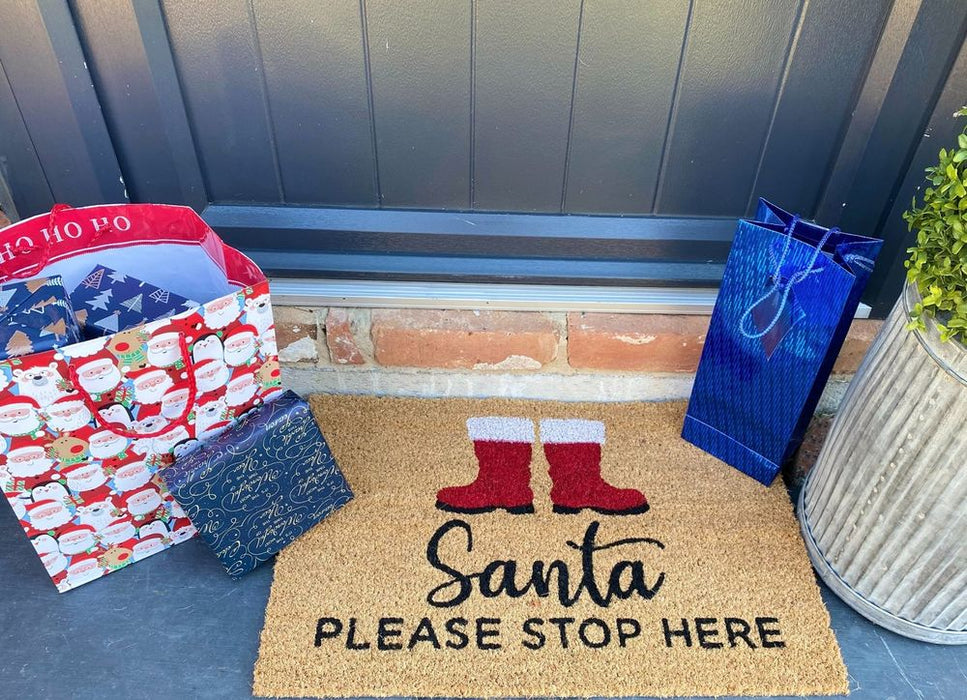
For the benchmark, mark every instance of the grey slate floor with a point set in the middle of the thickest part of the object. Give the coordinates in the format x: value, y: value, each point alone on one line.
x: 175, y: 625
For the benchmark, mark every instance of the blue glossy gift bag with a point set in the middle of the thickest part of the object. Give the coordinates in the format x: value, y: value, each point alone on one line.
x: 787, y: 299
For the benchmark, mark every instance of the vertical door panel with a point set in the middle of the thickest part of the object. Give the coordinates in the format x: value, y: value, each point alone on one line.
x: 731, y: 71
x: 627, y: 65
x: 130, y: 61
x: 220, y: 68
x: 49, y: 81
x: 420, y: 61
x: 934, y: 40
x: 941, y: 132
x: 523, y: 75
x: 20, y: 168
x: 315, y: 70
x: 830, y: 59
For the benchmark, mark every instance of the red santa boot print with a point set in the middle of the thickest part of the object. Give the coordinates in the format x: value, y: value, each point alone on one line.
x: 573, y: 451
x: 503, y: 448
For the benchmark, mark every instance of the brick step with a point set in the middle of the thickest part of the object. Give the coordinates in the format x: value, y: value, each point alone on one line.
x: 509, y: 341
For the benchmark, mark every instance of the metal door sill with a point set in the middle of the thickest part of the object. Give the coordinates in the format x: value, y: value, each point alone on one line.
x: 504, y: 297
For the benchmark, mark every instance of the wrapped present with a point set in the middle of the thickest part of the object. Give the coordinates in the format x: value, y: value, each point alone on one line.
x: 107, y: 301
x: 35, y: 315
x: 257, y: 486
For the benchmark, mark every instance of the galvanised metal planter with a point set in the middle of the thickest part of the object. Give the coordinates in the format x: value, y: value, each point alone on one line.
x: 884, y: 510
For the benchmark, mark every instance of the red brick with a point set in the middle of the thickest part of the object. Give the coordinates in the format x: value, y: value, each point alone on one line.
x: 295, y: 334
x: 639, y: 342
x: 463, y: 339
x: 861, y: 334
x: 4, y: 220
x: 343, y: 349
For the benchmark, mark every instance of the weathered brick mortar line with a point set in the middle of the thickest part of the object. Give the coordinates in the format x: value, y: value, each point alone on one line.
x: 322, y: 340
x: 635, y: 342
x: 584, y: 386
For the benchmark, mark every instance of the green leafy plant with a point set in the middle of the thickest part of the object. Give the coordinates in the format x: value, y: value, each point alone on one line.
x: 938, y: 262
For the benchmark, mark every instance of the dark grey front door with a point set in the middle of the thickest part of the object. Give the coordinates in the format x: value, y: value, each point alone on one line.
x: 590, y: 142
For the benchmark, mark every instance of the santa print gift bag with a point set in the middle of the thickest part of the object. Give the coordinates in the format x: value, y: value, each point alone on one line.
x: 787, y: 299
x: 85, y: 428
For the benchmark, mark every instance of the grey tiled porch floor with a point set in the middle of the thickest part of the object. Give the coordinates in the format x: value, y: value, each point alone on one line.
x: 175, y: 625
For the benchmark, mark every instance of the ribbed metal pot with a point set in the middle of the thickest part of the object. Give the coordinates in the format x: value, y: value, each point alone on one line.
x: 884, y: 510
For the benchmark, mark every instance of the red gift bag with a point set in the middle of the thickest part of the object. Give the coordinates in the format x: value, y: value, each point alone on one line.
x: 85, y: 428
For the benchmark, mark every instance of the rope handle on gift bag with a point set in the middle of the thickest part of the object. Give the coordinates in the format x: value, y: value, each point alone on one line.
x: 119, y: 428
x: 784, y: 287
x: 44, y: 247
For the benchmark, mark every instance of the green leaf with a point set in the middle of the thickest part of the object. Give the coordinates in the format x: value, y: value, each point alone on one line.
x: 937, y: 263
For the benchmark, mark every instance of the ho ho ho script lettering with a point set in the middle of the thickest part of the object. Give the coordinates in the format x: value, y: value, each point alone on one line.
x: 69, y: 230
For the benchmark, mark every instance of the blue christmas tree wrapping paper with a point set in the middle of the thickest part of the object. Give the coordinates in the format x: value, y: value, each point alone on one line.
x: 35, y: 315
x: 107, y: 301
x: 255, y: 488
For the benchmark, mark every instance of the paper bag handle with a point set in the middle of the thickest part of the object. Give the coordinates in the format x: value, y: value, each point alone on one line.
x: 43, y: 247
x: 119, y: 428
x: 784, y: 287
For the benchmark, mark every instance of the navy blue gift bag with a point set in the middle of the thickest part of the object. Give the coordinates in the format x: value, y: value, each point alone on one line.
x: 787, y: 299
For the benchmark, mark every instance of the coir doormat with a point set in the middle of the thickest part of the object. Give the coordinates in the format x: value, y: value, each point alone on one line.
x: 511, y: 548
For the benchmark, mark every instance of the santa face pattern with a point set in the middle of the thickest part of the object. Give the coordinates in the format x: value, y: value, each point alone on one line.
x: 19, y: 418
x: 90, y: 499
x: 68, y: 414
x: 151, y: 386
x: 28, y: 461
x: 85, y: 477
x: 174, y: 403
x: 240, y: 347
x: 211, y: 375
x: 163, y: 350
x: 99, y: 376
